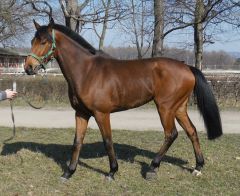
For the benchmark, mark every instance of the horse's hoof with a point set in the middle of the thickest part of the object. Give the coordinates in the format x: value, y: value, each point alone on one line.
x: 196, y: 172
x: 151, y: 175
x: 109, y: 178
x: 66, y: 176
x: 63, y: 179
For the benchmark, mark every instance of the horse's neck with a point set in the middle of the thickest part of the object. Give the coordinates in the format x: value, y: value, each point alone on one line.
x: 73, y: 60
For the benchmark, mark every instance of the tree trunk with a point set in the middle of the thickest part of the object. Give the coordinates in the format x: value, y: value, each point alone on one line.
x: 139, y: 50
x: 72, y: 24
x: 72, y: 13
x: 198, y: 33
x: 72, y: 9
x: 102, y: 38
x: 105, y: 23
x: 157, y: 48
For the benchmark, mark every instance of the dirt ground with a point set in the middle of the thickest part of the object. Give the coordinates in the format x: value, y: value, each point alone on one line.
x: 136, y: 119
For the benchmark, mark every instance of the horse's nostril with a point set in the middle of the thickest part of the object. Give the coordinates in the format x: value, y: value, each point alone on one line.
x: 29, y: 70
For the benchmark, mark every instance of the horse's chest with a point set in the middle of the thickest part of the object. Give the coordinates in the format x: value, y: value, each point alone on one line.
x: 78, y: 105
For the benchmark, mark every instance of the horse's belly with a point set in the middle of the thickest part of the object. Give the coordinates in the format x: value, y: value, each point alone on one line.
x: 117, y: 93
x: 133, y: 97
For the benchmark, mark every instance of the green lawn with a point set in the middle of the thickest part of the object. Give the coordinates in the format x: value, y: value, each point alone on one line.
x: 32, y: 163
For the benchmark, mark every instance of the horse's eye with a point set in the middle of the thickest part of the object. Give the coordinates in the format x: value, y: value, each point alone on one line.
x: 43, y: 42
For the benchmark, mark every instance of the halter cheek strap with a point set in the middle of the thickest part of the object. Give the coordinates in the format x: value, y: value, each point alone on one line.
x: 43, y: 59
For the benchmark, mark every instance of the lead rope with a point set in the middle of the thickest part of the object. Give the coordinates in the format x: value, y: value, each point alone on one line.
x: 28, y: 102
x: 11, y: 105
x: 12, y: 114
x: 14, y: 131
x: 13, y: 121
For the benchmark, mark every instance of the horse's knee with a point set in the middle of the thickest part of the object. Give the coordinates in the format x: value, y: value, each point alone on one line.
x: 172, y: 136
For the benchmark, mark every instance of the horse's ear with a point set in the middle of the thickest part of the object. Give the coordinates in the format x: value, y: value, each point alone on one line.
x: 51, y: 23
x: 37, y: 26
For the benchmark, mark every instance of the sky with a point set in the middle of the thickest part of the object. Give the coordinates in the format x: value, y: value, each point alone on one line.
x: 228, y: 41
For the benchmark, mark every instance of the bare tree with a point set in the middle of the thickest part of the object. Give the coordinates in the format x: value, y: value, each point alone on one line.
x: 41, y: 7
x: 157, y: 47
x: 205, y: 16
x: 139, y: 24
x: 79, y: 13
x: 198, y: 32
x: 14, y: 17
x: 72, y: 10
x: 101, y: 36
x: 111, y: 13
x: 169, y: 16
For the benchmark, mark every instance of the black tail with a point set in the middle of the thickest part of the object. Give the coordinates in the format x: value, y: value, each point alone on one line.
x: 207, y: 105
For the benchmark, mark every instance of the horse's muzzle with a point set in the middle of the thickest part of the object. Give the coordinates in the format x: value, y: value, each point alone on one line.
x: 32, y: 71
x: 29, y: 70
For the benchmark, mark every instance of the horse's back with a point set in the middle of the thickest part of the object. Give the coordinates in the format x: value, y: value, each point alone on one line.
x: 152, y: 71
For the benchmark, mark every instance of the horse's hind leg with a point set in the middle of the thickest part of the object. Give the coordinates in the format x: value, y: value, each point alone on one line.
x: 81, y: 127
x: 167, y: 118
x: 187, y: 125
x: 103, y: 121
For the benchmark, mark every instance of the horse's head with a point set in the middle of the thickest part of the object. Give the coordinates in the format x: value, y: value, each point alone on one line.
x: 43, y: 48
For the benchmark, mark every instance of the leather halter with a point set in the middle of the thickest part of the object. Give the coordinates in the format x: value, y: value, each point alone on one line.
x: 43, y: 60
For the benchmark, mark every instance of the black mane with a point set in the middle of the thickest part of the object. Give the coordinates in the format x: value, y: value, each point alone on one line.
x: 76, y: 37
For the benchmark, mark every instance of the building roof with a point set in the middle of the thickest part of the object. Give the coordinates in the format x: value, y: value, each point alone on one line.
x: 14, y: 51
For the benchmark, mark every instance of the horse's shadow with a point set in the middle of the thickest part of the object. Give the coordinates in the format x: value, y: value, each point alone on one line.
x: 61, y: 154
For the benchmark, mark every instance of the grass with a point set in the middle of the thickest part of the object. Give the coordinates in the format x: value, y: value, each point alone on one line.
x: 32, y: 163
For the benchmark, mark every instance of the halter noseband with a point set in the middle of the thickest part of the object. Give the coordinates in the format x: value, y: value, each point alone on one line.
x: 43, y: 59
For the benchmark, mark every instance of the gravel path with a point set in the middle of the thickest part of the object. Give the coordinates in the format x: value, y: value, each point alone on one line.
x: 136, y: 119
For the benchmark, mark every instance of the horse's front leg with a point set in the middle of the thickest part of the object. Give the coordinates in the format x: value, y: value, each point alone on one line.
x: 103, y: 121
x: 81, y: 127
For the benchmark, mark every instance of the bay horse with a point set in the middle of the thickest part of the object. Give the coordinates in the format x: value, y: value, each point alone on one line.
x: 100, y: 85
